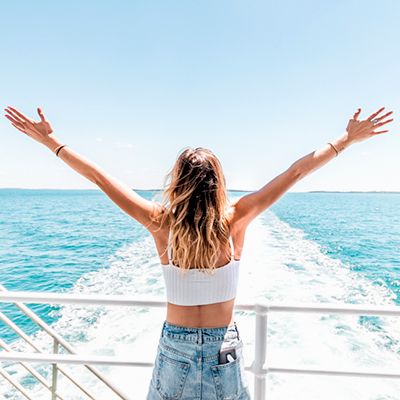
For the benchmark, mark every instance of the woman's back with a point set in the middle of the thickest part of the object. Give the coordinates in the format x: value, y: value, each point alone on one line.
x: 204, y: 315
x: 194, y: 286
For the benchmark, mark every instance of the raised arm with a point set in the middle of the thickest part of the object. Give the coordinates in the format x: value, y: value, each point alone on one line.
x: 121, y: 194
x: 249, y: 206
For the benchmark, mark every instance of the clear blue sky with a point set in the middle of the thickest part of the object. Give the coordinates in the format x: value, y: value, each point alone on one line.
x: 131, y: 83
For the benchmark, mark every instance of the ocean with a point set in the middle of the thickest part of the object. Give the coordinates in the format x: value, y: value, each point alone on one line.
x: 308, y: 247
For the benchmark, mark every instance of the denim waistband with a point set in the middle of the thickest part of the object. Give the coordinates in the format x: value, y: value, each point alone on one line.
x: 199, y: 335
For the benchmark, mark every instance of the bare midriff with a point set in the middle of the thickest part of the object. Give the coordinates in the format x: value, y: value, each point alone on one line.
x: 201, y: 316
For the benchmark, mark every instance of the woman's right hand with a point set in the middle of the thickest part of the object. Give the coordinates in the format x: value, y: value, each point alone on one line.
x: 359, y: 130
x: 41, y: 131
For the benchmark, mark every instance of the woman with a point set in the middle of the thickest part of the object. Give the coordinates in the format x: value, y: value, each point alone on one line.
x: 199, y: 237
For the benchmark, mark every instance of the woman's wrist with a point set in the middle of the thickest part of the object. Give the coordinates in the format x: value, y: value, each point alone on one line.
x: 52, y: 143
x: 342, y: 142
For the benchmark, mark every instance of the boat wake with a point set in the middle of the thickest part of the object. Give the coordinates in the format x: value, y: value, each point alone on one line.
x: 279, y: 264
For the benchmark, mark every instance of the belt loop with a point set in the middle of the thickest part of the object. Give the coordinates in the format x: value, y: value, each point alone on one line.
x: 237, y: 330
x: 162, y: 330
x: 199, y: 336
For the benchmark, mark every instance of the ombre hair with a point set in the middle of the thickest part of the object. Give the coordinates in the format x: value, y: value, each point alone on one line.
x: 195, y: 206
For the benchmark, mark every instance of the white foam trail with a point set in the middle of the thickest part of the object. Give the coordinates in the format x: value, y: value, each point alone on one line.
x: 282, y: 265
x: 278, y: 264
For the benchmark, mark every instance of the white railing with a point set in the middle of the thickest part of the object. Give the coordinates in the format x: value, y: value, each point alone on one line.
x: 58, y: 342
x: 258, y: 367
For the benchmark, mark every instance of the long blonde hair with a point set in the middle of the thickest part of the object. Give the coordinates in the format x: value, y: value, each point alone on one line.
x: 195, y: 206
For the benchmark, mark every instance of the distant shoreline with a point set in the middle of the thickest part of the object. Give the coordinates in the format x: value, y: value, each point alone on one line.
x: 229, y: 190
x: 350, y: 191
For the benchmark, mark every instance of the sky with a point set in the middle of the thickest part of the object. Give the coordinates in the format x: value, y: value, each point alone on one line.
x: 130, y: 84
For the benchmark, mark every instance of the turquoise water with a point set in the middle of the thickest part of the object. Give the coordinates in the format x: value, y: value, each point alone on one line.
x: 49, y: 238
x: 311, y: 247
x: 360, y: 229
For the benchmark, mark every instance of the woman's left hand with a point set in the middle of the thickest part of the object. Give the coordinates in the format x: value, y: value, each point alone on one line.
x: 359, y: 130
x: 40, y: 131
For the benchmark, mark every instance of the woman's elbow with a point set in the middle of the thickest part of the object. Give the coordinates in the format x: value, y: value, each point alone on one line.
x: 296, y: 172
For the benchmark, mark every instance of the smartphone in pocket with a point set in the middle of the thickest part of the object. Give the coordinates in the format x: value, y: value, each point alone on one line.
x: 223, y: 355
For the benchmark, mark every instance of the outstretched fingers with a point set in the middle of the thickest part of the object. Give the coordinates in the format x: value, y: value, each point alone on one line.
x: 373, y: 115
x: 16, y: 113
x: 383, y: 116
x: 378, y: 132
x: 13, y: 115
x: 19, y: 128
x: 15, y: 122
x: 382, y: 123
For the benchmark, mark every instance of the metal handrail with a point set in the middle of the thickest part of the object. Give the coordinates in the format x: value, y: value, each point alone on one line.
x: 29, y: 341
x: 31, y: 370
x: 125, y: 300
x: 127, y: 362
x: 258, y: 367
x: 15, y: 384
x: 57, y: 340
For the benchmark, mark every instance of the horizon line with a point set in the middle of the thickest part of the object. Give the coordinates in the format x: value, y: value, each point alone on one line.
x: 229, y: 190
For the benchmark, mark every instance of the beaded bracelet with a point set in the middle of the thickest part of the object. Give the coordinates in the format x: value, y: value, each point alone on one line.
x: 334, y: 148
x: 57, y: 150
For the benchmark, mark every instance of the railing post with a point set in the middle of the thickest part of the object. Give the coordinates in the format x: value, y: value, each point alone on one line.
x: 54, y: 373
x: 260, y: 350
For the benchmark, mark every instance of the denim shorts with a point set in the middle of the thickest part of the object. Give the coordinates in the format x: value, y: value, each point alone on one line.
x: 187, y: 365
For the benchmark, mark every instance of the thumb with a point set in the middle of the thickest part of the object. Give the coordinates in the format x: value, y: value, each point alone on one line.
x: 41, y: 115
x: 357, y: 113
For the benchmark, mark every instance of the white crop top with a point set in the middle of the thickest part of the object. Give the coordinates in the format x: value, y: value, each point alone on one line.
x: 194, y: 287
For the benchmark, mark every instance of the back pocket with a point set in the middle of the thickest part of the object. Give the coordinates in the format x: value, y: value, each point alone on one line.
x: 170, y: 377
x: 228, y: 379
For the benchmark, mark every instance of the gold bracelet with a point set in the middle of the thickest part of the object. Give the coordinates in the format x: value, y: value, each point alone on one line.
x: 334, y: 148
